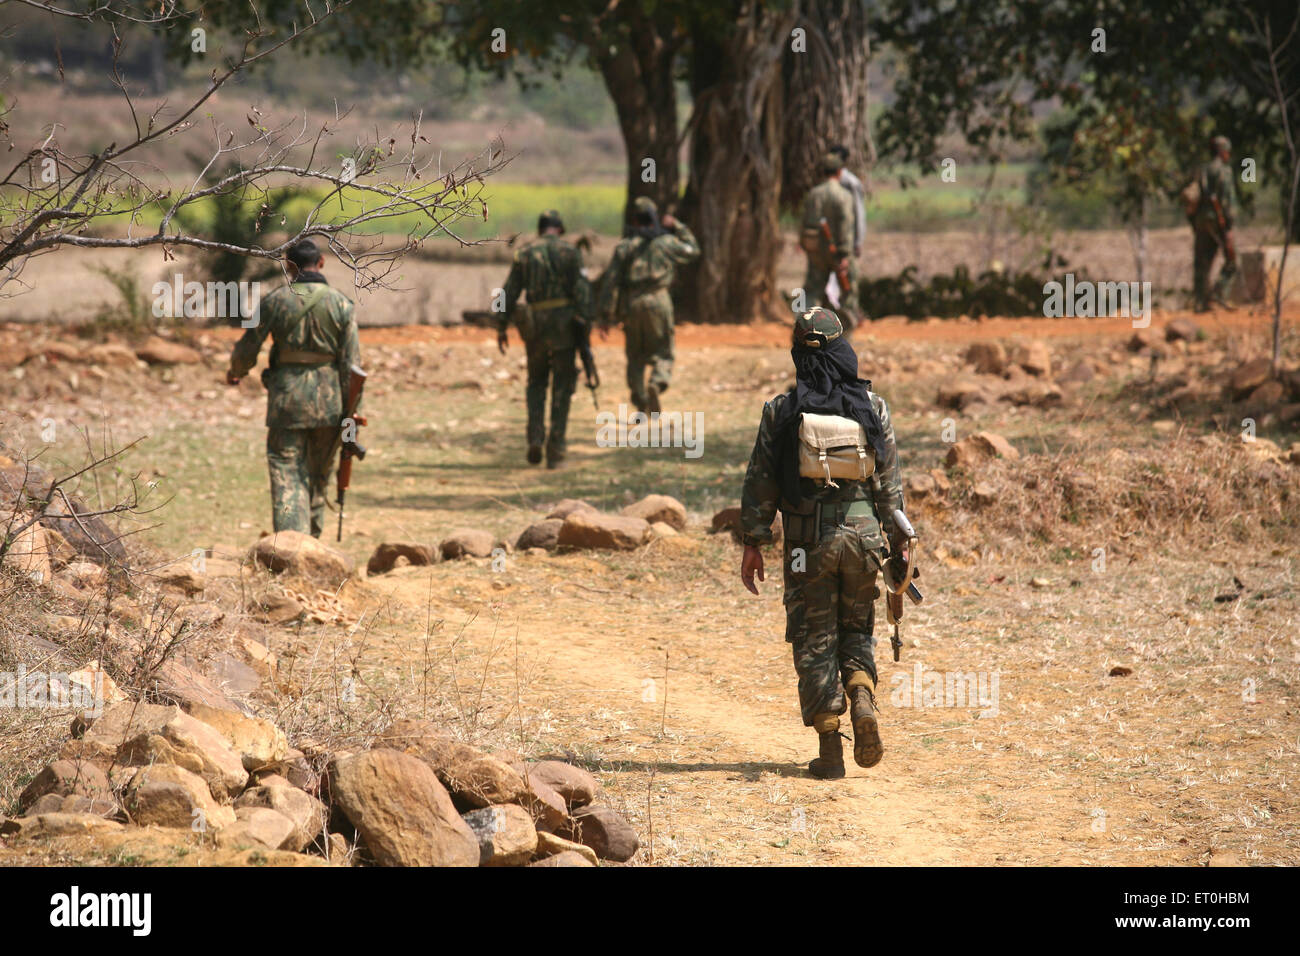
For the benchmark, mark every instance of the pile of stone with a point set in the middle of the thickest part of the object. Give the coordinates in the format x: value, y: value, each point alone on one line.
x: 572, y: 524
x: 417, y: 798
x: 1021, y: 375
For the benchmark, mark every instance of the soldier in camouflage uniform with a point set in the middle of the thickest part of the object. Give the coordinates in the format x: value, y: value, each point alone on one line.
x: 832, y: 201
x: 550, y: 271
x: 1212, y: 225
x: 834, y: 539
x: 314, y: 345
x: 635, y: 287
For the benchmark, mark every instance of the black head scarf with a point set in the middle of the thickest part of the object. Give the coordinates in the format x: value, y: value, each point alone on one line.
x: 826, y: 383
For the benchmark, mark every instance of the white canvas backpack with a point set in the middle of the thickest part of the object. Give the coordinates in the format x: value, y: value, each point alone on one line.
x: 831, y: 446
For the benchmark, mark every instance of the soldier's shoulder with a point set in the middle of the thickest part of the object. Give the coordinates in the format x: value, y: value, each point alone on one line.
x: 337, y: 297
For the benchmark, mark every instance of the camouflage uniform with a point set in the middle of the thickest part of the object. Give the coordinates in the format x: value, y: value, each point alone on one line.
x: 1218, y: 182
x: 833, y: 202
x: 830, y: 595
x: 314, y: 343
x: 638, y: 277
x: 549, y: 270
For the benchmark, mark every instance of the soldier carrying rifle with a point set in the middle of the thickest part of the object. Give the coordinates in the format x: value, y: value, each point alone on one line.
x: 825, y: 457
x: 313, y: 353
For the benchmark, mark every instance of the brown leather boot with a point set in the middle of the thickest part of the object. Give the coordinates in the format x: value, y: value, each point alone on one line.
x: 829, y: 762
x: 867, y: 748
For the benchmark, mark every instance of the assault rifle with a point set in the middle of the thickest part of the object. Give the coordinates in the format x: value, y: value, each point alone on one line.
x: 582, y: 331
x: 350, y: 447
x: 841, y: 261
x: 899, y: 580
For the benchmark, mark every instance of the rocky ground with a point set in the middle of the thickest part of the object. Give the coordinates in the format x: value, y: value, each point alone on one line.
x: 1108, y: 526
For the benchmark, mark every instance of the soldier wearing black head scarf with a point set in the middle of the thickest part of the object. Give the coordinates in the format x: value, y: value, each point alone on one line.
x: 835, y: 533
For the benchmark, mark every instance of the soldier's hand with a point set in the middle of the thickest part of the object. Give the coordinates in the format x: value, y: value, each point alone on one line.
x: 751, y: 563
x: 503, y: 341
x: 231, y: 377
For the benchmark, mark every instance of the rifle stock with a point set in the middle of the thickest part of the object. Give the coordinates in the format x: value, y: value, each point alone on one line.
x: 841, y: 262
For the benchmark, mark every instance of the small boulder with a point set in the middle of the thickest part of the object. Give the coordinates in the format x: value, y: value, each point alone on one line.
x: 467, y: 543
x: 159, y: 351
x: 1077, y: 374
x: 304, y: 812
x: 1182, y: 330
x: 541, y: 534
x: 548, y: 844
x: 979, y: 447
x: 386, y: 556
x: 605, y: 831
x: 1250, y: 376
x: 259, y: 827
x: 66, y: 777
x: 564, y: 858
x: 1266, y: 396
x: 258, y: 742
x: 988, y: 358
x: 590, y: 529
x: 506, y: 835
x: 1035, y: 358
x: 728, y: 519
x: 568, y: 506
x: 663, y: 508
x: 920, y: 487
x: 110, y: 354
x: 576, y: 786
x: 303, y: 555
x: 169, y: 796
x: 402, y: 813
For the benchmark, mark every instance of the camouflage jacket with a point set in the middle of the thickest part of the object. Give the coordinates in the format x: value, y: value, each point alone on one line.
x: 854, y: 185
x: 642, y: 267
x: 302, y: 317
x: 548, y: 268
x: 830, y: 201
x: 761, y: 496
x: 1217, y: 182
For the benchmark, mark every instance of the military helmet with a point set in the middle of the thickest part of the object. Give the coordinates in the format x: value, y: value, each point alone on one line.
x: 644, y: 204
x: 817, y: 328
x: 548, y: 218
x: 831, y: 164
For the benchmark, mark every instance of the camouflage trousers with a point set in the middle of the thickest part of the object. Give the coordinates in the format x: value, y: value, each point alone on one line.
x: 649, y: 330
x: 300, y: 461
x: 814, y: 285
x: 830, y: 592
x: 556, y: 368
x: 1207, y: 245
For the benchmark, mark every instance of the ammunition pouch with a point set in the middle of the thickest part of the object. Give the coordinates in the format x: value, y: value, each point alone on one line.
x: 808, y: 527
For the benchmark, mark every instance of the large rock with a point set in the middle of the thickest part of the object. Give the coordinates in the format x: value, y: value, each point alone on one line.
x: 101, y: 736
x: 169, y: 796
x: 467, y: 543
x: 988, y: 358
x: 663, y: 508
x: 258, y: 742
x: 568, y: 506
x: 166, y: 735
x: 1250, y: 376
x: 978, y: 448
x: 588, y: 529
x: 605, y: 831
x: 1034, y: 357
x: 387, y: 555
x: 64, y: 778
x: 576, y: 786
x: 259, y: 827
x: 402, y: 813
x: 305, y: 812
x: 303, y: 555
x: 548, y: 844
x: 541, y: 534
x: 159, y: 351
x: 506, y: 835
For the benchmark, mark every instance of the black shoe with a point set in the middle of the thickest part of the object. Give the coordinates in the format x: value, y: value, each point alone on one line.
x: 829, y: 762
x: 534, y: 454
x: 652, y: 400
x: 555, y: 462
x: 867, y: 748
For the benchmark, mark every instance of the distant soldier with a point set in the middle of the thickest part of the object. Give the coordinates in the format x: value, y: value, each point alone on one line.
x: 1212, y: 220
x: 314, y: 346
x: 835, y: 533
x: 557, y: 315
x: 854, y: 185
x: 827, y: 238
x: 635, y: 288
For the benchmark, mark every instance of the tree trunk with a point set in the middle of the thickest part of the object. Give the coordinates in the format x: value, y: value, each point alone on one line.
x: 638, y: 73
x: 826, y: 94
x: 732, y: 198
